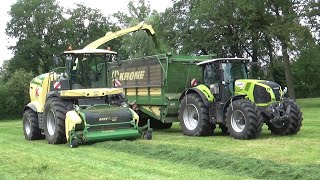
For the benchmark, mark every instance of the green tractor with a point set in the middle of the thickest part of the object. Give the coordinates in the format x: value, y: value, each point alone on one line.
x: 237, y: 104
x: 70, y: 103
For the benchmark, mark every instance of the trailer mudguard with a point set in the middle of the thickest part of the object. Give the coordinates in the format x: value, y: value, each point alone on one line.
x: 203, y: 91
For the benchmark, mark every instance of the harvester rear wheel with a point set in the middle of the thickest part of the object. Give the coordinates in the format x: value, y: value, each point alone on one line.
x: 194, y: 116
x: 293, y: 125
x: 31, y: 125
x: 54, y: 120
x: 242, y: 120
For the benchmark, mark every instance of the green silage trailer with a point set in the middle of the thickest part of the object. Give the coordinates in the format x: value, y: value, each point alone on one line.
x: 154, y: 84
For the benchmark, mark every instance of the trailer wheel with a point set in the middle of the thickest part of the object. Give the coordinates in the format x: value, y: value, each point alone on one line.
x: 147, y: 135
x: 242, y: 120
x: 157, y: 124
x: 166, y: 125
x: 293, y: 124
x: 194, y: 116
x: 54, y: 120
x: 31, y: 125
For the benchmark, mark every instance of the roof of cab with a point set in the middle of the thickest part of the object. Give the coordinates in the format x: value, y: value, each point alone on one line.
x: 90, y: 51
x: 222, y: 59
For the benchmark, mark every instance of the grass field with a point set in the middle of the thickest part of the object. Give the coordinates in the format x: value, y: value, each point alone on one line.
x: 170, y: 155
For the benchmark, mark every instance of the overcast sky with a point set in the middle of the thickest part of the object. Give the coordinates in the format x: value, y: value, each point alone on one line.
x: 106, y: 6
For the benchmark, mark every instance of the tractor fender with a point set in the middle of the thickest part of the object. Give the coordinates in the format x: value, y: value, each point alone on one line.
x: 202, y: 91
x: 225, y: 106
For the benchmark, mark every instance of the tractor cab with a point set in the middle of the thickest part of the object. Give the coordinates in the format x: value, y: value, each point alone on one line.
x: 221, y: 74
x: 82, y: 69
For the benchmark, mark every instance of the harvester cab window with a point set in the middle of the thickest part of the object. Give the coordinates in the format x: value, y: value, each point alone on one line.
x: 90, y: 72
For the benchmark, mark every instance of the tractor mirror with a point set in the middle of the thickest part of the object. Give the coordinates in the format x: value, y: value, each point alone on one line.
x: 56, y: 60
x: 285, y: 90
x: 214, y: 88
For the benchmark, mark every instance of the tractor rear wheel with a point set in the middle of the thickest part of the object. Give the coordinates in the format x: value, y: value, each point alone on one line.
x: 242, y: 120
x: 54, y: 120
x: 194, y: 116
x: 293, y: 125
x: 31, y: 125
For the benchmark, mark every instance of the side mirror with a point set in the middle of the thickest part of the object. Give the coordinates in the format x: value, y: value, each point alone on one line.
x: 56, y: 60
x: 118, y: 60
x: 285, y: 91
x: 214, y: 88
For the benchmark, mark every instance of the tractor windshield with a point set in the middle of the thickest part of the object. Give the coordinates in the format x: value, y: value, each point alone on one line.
x: 233, y: 71
x: 86, y: 71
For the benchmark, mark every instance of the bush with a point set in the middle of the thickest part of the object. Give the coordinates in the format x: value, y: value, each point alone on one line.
x: 14, y: 94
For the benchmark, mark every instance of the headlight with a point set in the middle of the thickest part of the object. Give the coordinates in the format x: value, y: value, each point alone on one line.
x: 239, y: 84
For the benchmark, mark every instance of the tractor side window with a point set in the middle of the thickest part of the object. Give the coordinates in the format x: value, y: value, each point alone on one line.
x: 210, y: 74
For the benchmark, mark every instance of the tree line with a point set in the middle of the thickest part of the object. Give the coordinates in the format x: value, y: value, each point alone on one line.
x: 281, y: 36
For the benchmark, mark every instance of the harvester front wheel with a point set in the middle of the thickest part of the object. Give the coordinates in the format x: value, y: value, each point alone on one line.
x: 31, y: 125
x: 242, y: 120
x: 293, y: 125
x: 194, y: 116
x: 54, y: 120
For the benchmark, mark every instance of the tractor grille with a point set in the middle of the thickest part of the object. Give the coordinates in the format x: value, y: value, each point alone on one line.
x: 261, y: 95
x: 275, y: 88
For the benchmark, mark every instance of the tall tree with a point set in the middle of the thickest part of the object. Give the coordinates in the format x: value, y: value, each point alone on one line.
x: 137, y: 44
x: 34, y: 24
x: 84, y: 26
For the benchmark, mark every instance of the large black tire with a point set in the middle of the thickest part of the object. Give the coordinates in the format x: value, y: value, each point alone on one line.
x: 242, y: 120
x: 294, y: 123
x: 194, y: 116
x: 54, y: 120
x: 31, y: 125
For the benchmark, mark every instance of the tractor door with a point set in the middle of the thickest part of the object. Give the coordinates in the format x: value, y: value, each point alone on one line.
x: 232, y: 71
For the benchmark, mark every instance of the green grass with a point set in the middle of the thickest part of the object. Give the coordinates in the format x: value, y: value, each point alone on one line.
x: 170, y: 155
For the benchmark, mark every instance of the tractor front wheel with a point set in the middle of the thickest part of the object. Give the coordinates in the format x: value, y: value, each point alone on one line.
x: 242, y: 120
x: 54, y: 120
x: 292, y: 125
x: 194, y: 116
x: 31, y: 125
